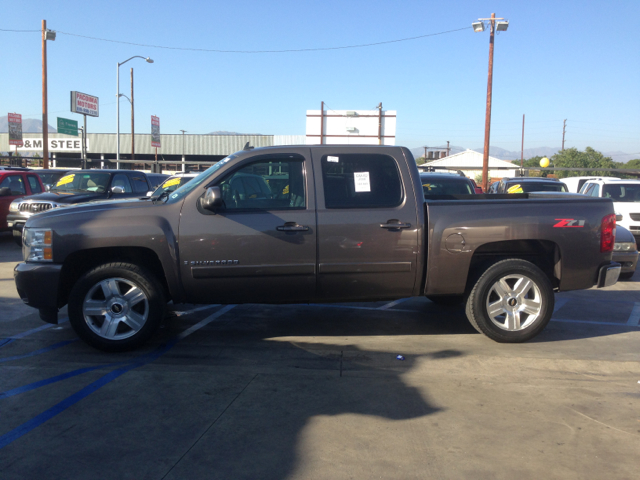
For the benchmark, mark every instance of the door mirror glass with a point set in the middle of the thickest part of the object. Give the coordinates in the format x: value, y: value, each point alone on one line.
x: 212, y: 199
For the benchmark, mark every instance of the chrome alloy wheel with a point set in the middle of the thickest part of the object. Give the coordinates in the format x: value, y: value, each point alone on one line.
x: 115, y: 308
x: 514, y: 302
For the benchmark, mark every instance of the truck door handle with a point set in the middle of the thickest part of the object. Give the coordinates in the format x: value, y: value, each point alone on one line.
x: 292, y: 227
x: 393, y: 226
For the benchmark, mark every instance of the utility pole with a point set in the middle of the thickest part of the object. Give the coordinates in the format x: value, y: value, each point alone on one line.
x: 133, y: 149
x: 183, y: 157
x: 522, y: 146
x: 564, y: 127
x: 321, y: 123
x: 45, y: 115
x: 448, y: 149
x: 380, y: 123
x: 487, y: 120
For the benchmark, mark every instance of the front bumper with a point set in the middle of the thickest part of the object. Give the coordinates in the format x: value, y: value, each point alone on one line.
x: 16, y: 221
x: 38, y: 285
x: 608, y: 275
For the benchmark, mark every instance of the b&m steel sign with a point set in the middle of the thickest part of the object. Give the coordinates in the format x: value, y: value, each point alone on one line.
x: 84, y: 104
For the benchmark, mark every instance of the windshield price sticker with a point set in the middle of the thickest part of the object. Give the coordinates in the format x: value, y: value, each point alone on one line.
x: 333, y: 159
x: 362, y: 181
x: 170, y: 183
x: 65, y: 180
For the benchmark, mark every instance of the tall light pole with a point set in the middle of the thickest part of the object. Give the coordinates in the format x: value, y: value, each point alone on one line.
x: 148, y: 60
x: 46, y: 35
x: 500, y: 26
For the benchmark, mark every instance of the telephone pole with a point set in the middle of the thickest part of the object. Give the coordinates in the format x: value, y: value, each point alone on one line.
x: 564, y: 128
x: 522, y: 146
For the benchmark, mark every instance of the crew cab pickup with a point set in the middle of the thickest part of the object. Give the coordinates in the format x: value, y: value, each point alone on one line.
x: 297, y: 224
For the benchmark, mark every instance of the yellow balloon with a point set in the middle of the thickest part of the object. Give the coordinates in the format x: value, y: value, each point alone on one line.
x: 544, y: 162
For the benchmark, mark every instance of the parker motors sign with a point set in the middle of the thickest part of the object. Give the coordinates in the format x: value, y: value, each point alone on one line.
x: 55, y: 145
x: 84, y: 104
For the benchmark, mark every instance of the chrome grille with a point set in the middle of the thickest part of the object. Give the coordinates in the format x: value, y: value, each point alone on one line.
x: 34, y: 207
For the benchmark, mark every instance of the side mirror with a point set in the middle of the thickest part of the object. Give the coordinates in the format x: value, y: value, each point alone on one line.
x: 117, y: 189
x: 149, y: 193
x: 47, y: 187
x: 5, y: 192
x: 212, y: 199
x: 618, y: 217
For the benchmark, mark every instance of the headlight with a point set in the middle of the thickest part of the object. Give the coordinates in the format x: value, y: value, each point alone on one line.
x: 624, y: 247
x: 14, y: 206
x: 38, y: 244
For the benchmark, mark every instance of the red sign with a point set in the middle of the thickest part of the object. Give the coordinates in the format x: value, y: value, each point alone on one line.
x: 15, y: 129
x: 155, y: 131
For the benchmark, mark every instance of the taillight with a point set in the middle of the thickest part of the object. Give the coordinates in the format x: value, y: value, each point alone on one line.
x: 608, y: 233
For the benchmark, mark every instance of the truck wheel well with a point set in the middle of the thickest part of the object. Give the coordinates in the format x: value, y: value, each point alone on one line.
x: 542, y: 253
x: 78, y: 263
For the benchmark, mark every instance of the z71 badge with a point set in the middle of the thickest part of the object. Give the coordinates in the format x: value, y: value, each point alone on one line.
x: 568, y: 223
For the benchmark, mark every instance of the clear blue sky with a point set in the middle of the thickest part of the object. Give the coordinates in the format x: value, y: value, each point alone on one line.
x: 578, y: 60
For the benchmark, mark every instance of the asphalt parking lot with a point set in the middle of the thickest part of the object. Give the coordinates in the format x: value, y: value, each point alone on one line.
x: 317, y: 392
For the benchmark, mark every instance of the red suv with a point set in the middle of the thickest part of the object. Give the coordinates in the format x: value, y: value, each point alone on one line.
x: 16, y: 184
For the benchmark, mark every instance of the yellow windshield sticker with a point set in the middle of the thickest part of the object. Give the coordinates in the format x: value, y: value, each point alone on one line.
x: 427, y: 185
x: 171, y: 182
x: 64, y: 180
x: 285, y: 190
x: 515, y: 189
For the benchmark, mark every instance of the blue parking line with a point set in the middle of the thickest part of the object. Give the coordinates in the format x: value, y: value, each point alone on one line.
x: 34, y: 330
x: 6, y: 341
x: 60, y: 407
x: 35, y: 422
x: 38, y: 352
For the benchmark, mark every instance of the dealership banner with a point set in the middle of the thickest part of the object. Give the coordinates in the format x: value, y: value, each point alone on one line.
x: 15, y: 129
x: 155, y: 131
x: 55, y: 145
x: 84, y: 104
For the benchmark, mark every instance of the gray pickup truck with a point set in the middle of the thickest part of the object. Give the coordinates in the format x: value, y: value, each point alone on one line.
x: 313, y: 224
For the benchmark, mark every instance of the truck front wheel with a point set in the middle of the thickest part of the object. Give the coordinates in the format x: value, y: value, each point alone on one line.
x: 511, y: 302
x: 116, y: 306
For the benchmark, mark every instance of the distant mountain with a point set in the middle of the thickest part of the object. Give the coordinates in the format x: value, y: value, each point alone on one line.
x: 222, y: 132
x: 29, y: 125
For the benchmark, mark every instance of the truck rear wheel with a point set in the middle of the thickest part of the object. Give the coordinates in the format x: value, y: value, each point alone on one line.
x: 116, y: 306
x: 511, y: 302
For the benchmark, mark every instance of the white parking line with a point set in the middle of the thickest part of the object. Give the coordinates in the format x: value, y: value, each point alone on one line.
x: 394, y: 303
x: 634, y: 318
x: 560, y: 302
x: 594, y: 323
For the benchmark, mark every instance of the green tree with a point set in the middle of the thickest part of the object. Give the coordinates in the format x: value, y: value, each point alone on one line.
x: 420, y: 160
x: 532, y: 163
x: 632, y: 164
x: 590, y: 158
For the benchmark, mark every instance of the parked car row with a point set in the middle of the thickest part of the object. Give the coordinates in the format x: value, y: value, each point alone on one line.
x: 26, y: 193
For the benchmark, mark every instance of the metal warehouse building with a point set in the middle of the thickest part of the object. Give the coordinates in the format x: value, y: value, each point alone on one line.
x: 178, y: 152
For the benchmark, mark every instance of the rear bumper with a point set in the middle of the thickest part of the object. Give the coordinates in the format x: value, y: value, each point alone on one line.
x: 628, y: 261
x: 38, y: 286
x: 608, y: 275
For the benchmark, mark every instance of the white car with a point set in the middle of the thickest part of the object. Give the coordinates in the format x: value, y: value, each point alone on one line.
x: 626, y: 200
x: 574, y: 184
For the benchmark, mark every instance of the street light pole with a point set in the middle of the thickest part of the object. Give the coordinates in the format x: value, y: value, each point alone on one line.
x: 487, y: 120
x: 148, y: 60
x: 479, y: 27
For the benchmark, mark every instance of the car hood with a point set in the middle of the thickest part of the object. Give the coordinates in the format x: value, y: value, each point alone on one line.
x: 66, y: 197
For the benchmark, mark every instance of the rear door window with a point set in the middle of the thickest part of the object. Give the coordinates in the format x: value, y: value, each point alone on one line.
x: 140, y: 184
x: 34, y: 184
x: 361, y: 181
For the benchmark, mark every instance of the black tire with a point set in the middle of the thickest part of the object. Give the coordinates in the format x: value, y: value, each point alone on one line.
x: 135, y: 306
x: 521, y: 325
x: 626, y: 275
x: 446, y: 300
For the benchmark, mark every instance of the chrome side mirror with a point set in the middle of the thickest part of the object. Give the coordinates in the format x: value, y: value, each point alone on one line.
x: 47, y: 188
x: 117, y: 189
x: 212, y: 199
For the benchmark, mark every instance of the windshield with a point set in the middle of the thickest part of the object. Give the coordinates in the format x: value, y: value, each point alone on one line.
x: 183, y: 190
x: 50, y: 178
x: 622, y: 192
x: 446, y: 186
x: 528, y: 187
x: 83, y: 182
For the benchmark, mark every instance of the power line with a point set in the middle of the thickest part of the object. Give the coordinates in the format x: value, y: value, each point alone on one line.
x: 362, y: 45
